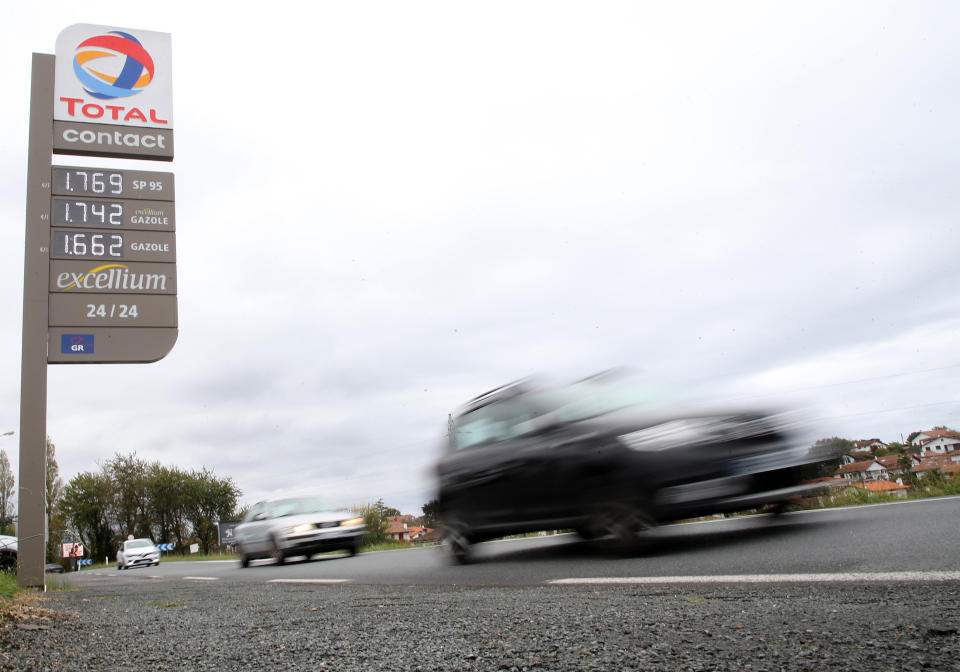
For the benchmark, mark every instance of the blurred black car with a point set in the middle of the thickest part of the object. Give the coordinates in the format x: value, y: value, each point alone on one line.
x: 525, y: 458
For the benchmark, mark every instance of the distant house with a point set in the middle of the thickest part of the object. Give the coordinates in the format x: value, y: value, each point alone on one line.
x: 401, y: 528
x: 869, y: 445
x: 931, y: 434
x: 940, y: 445
x: 398, y: 530
x: 892, y: 464
x: 948, y: 464
x: 863, y: 471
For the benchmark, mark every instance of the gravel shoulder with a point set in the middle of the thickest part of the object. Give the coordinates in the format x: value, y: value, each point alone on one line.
x: 180, y: 625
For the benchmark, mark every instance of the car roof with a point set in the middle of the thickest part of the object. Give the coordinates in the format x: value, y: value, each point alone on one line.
x: 507, y: 391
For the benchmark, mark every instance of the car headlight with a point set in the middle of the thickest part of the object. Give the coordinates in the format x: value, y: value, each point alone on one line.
x: 352, y: 521
x: 301, y: 528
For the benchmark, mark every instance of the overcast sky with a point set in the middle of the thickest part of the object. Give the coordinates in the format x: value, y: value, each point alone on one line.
x: 384, y: 209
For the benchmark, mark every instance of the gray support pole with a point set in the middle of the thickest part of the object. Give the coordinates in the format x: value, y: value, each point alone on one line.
x: 32, y: 515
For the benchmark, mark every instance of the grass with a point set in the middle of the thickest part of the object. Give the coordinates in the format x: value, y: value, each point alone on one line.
x: 853, y: 496
x: 160, y: 603
x: 18, y: 604
x: 56, y: 582
x: 8, y: 585
x: 385, y: 546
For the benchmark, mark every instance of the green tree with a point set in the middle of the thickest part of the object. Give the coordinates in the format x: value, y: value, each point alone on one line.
x: 165, y: 490
x: 87, y: 503
x: 431, y: 514
x: 7, y: 483
x: 131, y: 504
x: 207, y: 501
x: 375, y: 516
x: 56, y: 520
x: 830, y: 450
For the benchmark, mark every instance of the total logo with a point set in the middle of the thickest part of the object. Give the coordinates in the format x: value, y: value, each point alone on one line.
x: 116, y: 48
x: 101, y: 70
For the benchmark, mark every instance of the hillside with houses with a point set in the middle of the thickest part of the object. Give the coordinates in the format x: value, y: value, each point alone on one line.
x: 894, y: 468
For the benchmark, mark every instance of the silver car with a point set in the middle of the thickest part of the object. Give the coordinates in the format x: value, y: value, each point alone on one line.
x: 137, y: 553
x: 284, y: 528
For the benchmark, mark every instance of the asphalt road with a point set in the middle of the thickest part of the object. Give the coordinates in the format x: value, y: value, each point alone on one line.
x: 913, y: 536
x: 870, y: 588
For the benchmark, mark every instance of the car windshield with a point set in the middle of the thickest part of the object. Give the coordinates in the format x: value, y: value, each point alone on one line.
x: 298, y: 505
x: 592, y: 397
x: 542, y: 407
x: 139, y: 543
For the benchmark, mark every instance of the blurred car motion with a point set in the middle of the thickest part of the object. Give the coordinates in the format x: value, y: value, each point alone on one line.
x: 137, y: 553
x: 283, y: 528
x: 588, y: 457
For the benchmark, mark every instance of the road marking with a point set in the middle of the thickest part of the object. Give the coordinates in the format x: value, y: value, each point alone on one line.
x: 770, y: 578
x: 201, y: 578
x: 321, y: 581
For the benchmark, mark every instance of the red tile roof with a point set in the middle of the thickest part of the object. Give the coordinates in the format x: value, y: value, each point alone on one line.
x: 855, y: 467
x: 882, y: 486
x: 892, y: 461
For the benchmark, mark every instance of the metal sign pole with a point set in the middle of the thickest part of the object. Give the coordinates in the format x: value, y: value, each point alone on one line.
x: 32, y: 518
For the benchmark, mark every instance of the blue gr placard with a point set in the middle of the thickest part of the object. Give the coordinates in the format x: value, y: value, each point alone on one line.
x: 76, y: 344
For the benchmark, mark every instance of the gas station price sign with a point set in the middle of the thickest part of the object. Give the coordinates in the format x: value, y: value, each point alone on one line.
x: 112, y: 245
x: 120, y: 228
x: 113, y: 213
x: 142, y: 184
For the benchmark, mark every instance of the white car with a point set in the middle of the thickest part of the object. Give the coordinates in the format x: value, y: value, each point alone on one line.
x: 137, y: 553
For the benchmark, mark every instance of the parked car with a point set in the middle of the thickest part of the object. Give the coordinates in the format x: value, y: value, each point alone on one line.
x: 137, y: 553
x: 8, y: 552
x: 526, y: 457
x: 283, y: 528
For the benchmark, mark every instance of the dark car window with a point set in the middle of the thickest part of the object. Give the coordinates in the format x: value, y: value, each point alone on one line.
x: 497, y: 421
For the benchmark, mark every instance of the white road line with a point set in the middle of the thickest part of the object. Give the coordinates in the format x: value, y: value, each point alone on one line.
x: 201, y: 578
x: 770, y: 578
x: 320, y: 581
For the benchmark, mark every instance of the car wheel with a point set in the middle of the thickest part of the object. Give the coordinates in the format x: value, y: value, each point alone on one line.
x: 458, y: 545
x: 353, y: 550
x: 777, y: 510
x: 625, y: 523
x: 277, y: 553
x: 244, y: 558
